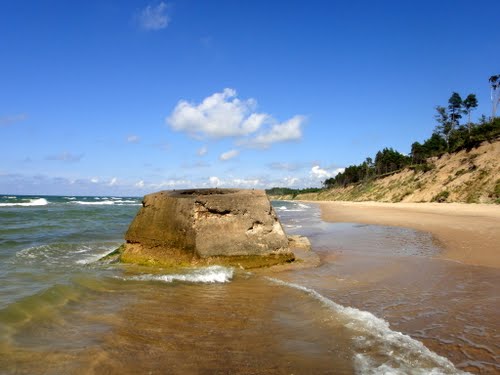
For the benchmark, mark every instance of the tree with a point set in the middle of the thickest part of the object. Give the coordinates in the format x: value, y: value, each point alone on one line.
x: 435, y: 145
x: 495, y: 94
x: 455, y: 104
x: 445, y: 124
x: 469, y: 104
x: 417, y: 153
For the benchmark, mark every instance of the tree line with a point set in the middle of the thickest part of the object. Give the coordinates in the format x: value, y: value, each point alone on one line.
x: 451, y: 134
x: 290, y: 191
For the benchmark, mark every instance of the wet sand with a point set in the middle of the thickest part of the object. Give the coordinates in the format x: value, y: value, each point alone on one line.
x: 301, y: 320
x: 469, y: 233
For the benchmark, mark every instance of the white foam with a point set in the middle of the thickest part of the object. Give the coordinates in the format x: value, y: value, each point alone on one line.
x: 402, y: 354
x: 206, y: 275
x: 108, y: 203
x: 32, y: 202
x: 70, y: 198
x: 94, y: 203
x: 94, y: 257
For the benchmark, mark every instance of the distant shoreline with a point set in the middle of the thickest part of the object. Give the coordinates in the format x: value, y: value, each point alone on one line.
x: 469, y: 233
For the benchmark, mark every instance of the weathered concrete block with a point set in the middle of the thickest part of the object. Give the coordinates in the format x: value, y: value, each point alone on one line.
x: 229, y: 226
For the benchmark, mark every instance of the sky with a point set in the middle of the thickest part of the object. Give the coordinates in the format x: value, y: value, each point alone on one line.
x: 131, y: 97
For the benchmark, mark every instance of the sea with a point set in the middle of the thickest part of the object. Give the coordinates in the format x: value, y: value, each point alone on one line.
x: 380, y: 302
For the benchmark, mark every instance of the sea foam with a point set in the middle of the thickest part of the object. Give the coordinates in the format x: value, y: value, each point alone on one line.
x: 109, y: 203
x: 32, y: 202
x: 206, y: 275
x: 396, y: 354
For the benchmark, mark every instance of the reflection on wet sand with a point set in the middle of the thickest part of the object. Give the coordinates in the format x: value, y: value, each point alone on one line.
x: 391, y: 272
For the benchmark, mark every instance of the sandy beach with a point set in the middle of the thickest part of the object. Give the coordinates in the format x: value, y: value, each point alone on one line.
x: 469, y: 233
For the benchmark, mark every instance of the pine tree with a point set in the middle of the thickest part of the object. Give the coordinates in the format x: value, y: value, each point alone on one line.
x: 469, y: 104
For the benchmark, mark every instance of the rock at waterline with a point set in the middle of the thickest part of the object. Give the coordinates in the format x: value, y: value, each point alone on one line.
x: 206, y: 226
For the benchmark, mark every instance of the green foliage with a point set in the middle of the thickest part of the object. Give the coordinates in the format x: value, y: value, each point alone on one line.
x: 496, y: 191
x: 495, y: 93
x: 276, y: 191
x: 445, y: 123
x: 386, y: 161
x: 389, y: 161
x: 469, y: 104
x: 449, y: 136
x: 424, y: 167
x: 441, y: 197
x: 455, y: 104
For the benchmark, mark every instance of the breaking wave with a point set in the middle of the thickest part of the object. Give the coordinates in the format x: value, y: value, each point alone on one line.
x: 206, y: 275
x: 109, y: 202
x: 31, y: 202
x: 381, y: 350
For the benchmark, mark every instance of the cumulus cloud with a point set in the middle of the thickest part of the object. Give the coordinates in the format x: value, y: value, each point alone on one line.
x: 94, y: 180
x: 219, y: 115
x: 139, y: 184
x: 113, y: 181
x: 133, y: 139
x: 290, y: 130
x: 154, y: 17
x: 12, y: 119
x: 291, y: 181
x: 320, y: 174
x: 229, y: 155
x: 223, y: 115
x: 214, y: 181
x: 66, y: 157
x: 172, y: 183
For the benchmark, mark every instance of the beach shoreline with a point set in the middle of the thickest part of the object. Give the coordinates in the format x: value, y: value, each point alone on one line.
x: 469, y: 233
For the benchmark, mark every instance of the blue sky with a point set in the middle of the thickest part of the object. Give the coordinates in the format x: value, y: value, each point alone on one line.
x: 130, y: 97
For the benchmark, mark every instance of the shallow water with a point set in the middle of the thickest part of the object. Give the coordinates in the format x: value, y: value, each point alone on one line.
x: 61, y: 312
x: 451, y: 307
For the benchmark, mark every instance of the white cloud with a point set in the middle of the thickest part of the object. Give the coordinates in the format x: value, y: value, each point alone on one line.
x: 242, y: 182
x: 229, y: 155
x: 94, y: 180
x: 171, y: 183
x: 12, y: 119
x: 133, y: 139
x: 202, y: 151
x: 66, y: 157
x: 291, y: 181
x: 219, y: 115
x: 113, y: 181
x: 154, y: 17
x: 224, y: 115
x: 320, y: 174
x: 214, y: 181
x: 139, y: 184
x: 290, y: 130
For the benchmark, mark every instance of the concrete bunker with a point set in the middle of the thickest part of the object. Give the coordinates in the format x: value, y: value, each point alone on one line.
x: 206, y: 226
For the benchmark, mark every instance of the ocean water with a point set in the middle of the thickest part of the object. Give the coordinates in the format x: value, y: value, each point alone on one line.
x: 362, y: 311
